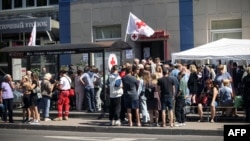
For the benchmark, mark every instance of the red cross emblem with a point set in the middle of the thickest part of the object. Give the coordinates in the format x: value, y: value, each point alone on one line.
x: 134, y: 37
x: 112, y: 62
x: 140, y: 24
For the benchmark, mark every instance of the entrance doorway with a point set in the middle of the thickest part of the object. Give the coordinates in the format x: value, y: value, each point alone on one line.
x: 152, y: 49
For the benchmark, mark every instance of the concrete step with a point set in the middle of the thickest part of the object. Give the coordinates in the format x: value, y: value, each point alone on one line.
x: 100, y: 115
x: 18, y: 112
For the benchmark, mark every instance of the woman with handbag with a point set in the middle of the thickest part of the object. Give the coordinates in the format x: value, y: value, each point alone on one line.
x: 35, y: 86
x: 208, y: 97
x: 26, y: 89
x: 154, y: 103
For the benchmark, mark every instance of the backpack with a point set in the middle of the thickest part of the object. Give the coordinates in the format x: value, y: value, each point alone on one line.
x: 149, y: 92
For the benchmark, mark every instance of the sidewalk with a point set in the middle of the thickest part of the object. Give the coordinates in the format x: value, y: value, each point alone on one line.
x: 89, y: 122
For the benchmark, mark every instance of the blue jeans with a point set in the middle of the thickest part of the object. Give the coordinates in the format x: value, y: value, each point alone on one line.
x: 144, y: 109
x: 90, y: 94
x: 44, y: 104
x: 98, y: 92
x: 8, y: 109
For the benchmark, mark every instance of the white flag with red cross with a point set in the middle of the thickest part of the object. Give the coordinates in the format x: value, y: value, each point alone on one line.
x: 32, y: 40
x: 137, y: 26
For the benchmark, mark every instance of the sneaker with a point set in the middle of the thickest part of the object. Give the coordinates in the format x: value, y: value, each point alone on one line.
x: 30, y: 120
x: 200, y: 120
x: 177, y: 124
x: 65, y: 118
x: 212, y: 121
x: 58, y: 119
x: 47, y: 119
x: 34, y: 122
x: 183, y: 124
x: 156, y: 125
x: 112, y: 123
x: 25, y: 120
x: 118, y: 123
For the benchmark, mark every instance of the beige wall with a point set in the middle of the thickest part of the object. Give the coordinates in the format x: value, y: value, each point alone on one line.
x: 158, y: 14
x: 205, y: 11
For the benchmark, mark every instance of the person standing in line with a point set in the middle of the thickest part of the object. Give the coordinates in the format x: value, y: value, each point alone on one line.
x: 180, y: 100
x: 122, y: 73
x: 131, y: 97
x: 87, y: 81
x: 151, y: 64
x: 116, y: 92
x: 34, y: 99
x: 63, y: 102
x: 153, y: 101
x: 79, y: 90
x: 46, y: 91
x: 166, y: 86
x: 142, y: 98
x: 246, y: 95
x: 28, y: 73
x: 43, y: 72
x: 26, y: 88
x: 98, y: 88
x: 193, y: 83
x: 6, y: 95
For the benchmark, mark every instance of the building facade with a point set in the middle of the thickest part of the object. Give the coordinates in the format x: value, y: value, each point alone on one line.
x: 17, y: 18
x: 179, y: 24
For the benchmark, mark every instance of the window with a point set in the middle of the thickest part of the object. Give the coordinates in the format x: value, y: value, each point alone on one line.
x: 42, y: 3
x: 6, y: 4
x: 226, y: 29
x: 53, y: 2
x: 3, y: 56
x: 18, y: 3
x: 107, y: 33
x: 30, y: 3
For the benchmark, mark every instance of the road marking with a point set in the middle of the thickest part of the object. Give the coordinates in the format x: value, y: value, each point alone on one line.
x: 98, y: 138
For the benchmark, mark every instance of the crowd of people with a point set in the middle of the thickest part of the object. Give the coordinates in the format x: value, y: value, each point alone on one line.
x: 143, y: 92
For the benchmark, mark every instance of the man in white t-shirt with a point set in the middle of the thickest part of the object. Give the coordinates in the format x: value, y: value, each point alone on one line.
x: 63, y: 97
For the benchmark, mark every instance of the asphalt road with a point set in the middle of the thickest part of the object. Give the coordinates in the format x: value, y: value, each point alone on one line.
x: 42, y: 135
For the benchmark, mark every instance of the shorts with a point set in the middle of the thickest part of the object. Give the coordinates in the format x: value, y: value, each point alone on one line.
x: 166, y: 102
x: 131, y: 104
x: 26, y: 101
x: 215, y: 103
x: 33, y: 100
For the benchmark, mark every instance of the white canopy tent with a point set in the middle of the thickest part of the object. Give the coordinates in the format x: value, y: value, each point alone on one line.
x: 223, y: 49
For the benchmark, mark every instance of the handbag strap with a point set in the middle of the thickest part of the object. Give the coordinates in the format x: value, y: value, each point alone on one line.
x: 68, y: 81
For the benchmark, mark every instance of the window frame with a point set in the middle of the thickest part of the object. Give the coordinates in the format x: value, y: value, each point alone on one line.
x: 214, y: 32
x: 105, y: 39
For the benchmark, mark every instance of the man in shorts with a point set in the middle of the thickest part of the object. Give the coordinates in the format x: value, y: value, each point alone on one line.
x: 166, y: 86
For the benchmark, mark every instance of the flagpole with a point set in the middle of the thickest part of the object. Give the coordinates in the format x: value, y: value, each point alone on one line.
x: 125, y: 40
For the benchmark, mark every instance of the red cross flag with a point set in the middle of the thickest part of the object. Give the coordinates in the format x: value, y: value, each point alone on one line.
x: 137, y: 26
x: 112, y: 60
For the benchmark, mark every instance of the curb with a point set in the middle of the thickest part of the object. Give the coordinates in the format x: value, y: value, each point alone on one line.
x: 120, y: 129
